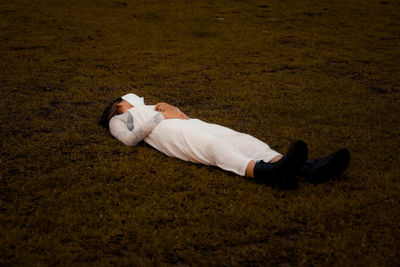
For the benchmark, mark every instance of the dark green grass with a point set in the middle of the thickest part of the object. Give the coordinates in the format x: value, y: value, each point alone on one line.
x: 326, y: 72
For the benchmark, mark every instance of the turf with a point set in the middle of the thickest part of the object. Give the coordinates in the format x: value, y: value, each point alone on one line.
x: 326, y: 72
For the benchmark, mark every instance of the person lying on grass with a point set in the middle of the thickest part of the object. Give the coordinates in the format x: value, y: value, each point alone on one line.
x: 172, y: 132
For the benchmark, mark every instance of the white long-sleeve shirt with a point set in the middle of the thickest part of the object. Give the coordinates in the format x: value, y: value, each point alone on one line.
x: 122, y: 127
x: 191, y: 140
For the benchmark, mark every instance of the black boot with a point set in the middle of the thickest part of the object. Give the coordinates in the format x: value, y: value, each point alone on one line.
x: 322, y: 170
x: 283, y: 173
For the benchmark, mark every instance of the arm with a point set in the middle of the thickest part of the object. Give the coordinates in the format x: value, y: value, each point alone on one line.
x: 122, y: 128
x: 162, y: 106
x: 168, y: 109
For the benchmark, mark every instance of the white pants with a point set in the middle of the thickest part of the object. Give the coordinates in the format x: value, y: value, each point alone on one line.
x: 201, y: 142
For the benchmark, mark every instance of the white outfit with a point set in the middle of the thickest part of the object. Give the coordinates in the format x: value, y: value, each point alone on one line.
x: 191, y: 140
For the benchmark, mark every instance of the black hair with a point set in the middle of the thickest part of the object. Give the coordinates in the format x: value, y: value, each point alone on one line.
x: 109, y: 112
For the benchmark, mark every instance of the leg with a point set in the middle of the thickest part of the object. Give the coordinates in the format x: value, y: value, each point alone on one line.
x: 250, y: 169
x: 284, y: 172
x: 247, y: 144
x: 250, y: 166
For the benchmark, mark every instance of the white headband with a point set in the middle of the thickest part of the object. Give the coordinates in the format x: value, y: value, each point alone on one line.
x: 133, y: 99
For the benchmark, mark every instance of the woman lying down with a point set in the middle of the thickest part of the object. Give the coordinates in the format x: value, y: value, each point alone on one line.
x: 172, y: 132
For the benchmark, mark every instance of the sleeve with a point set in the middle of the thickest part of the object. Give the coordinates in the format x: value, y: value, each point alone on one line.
x: 122, y: 128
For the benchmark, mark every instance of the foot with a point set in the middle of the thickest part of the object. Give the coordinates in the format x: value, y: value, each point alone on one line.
x: 322, y: 170
x: 283, y: 173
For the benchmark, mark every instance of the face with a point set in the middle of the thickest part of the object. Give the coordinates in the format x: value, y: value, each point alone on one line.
x: 123, y: 106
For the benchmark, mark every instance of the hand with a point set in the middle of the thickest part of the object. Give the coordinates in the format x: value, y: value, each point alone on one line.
x: 174, y: 114
x: 161, y: 107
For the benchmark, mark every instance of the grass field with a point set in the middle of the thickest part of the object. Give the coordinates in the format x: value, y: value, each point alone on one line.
x: 326, y: 72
